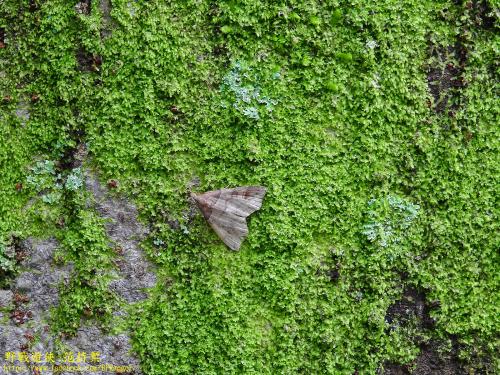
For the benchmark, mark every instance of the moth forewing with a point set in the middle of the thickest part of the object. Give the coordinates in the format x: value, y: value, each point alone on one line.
x: 226, y: 211
x: 232, y: 231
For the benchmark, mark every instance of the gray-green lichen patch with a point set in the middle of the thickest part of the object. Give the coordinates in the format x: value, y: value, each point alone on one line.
x: 388, y: 219
x: 247, y: 97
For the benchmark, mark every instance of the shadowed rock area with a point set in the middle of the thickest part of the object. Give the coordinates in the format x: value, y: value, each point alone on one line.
x: 413, y: 307
x: 429, y: 362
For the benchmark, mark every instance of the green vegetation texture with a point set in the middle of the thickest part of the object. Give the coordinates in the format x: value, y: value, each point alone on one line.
x: 328, y: 105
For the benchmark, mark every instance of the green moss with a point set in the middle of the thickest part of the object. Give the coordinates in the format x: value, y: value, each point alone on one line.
x: 349, y: 121
x: 336, y: 16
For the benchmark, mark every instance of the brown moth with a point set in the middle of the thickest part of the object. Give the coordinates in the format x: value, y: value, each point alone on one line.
x: 226, y: 211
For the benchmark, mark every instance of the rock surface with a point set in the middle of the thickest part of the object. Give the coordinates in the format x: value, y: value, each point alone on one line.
x: 136, y: 273
x: 25, y: 310
x: 34, y: 294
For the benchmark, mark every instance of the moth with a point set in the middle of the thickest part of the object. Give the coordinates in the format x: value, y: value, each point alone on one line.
x: 226, y: 211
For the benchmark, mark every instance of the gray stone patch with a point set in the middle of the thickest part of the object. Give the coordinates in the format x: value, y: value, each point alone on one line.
x: 41, y: 279
x: 5, y: 298
x: 135, y: 273
x: 107, y: 21
x: 34, y: 294
x: 5, y: 303
x: 115, y: 350
x: 22, y: 112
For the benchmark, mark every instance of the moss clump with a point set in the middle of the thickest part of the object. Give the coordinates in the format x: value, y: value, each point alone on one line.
x: 147, y: 101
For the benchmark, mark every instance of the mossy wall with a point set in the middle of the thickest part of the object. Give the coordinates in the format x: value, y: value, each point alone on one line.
x: 327, y: 104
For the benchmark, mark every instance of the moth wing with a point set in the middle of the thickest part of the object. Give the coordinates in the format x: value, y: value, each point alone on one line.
x: 232, y: 229
x: 241, y: 201
x: 227, y: 209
